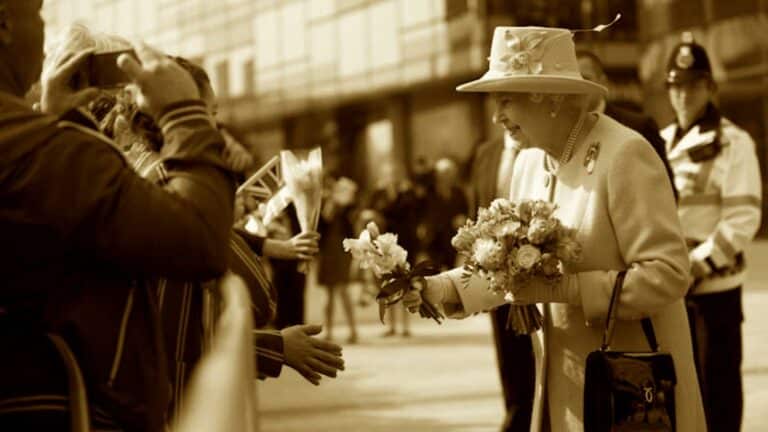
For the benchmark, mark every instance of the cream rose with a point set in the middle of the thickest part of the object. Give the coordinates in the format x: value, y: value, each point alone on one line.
x: 488, y: 253
x: 528, y: 256
x: 540, y: 229
x: 550, y: 265
x: 463, y: 239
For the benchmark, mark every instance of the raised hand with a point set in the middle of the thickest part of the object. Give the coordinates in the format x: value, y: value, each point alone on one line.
x: 309, y: 355
x: 160, y: 80
x: 58, y: 96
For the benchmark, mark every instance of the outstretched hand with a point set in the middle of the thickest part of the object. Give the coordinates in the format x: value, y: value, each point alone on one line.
x: 423, y: 289
x: 309, y: 355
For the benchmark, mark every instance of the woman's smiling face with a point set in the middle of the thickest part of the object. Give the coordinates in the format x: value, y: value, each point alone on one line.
x: 518, y: 113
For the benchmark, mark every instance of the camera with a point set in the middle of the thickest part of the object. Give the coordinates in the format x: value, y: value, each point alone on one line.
x: 101, y: 70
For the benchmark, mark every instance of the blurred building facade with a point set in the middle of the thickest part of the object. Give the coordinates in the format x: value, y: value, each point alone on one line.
x: 383, y: 72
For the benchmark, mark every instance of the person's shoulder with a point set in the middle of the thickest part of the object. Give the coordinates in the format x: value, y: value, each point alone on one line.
x: 735, y: 135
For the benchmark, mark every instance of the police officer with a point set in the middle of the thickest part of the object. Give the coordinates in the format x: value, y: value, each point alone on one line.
x: 717, y: 175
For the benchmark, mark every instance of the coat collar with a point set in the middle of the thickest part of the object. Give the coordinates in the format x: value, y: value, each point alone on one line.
x: 704, y: 131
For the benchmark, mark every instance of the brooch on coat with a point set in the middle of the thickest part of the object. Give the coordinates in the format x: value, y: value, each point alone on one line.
x: 591, y: 157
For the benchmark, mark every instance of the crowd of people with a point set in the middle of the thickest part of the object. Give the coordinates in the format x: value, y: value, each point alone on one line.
x: 136, y: 299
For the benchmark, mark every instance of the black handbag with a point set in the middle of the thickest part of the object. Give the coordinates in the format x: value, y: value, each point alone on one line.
x: 628, y: 391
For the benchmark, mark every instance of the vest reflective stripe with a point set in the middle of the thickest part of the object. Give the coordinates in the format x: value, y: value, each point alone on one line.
x: 716, y: 199
x: 724, y: 245
x: 698, y: 200
x: 749, y: 200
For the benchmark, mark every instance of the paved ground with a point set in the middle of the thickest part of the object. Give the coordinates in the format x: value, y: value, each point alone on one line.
x: 444, y: 378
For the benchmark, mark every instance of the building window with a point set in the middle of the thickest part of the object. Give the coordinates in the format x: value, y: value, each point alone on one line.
x: 249, y: 77
x: 222, y: 79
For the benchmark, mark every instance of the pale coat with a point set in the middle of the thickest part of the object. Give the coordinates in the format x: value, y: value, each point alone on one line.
x: 626, y: 219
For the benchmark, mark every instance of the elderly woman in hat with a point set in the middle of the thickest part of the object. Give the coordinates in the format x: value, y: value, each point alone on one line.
x: 608, y: 188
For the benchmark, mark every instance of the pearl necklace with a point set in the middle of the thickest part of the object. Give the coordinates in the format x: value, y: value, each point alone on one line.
x: 571, y: 141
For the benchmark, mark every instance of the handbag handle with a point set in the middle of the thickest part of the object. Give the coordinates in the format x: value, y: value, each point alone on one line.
x: 610, y: 320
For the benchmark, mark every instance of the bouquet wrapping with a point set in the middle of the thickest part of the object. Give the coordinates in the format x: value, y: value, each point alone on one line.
x: 510, y: 244
x: 388, y: 261
x: 304, y: 187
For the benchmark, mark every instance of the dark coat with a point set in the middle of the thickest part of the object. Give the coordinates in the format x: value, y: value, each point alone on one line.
x: 80, y: 228
x: 514, y: 353
x: 485, y: 171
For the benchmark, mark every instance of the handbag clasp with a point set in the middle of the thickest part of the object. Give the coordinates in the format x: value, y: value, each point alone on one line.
x: 648, y: 394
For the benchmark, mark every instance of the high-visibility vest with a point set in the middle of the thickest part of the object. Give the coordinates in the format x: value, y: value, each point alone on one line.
x: 717, y: 175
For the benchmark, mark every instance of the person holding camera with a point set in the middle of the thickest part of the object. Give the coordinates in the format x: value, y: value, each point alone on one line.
x: 77, y: 221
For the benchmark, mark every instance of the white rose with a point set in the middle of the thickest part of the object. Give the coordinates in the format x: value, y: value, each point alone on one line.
x: 507, y: 228
x: 392, y: 254
x: 488, y: 253
x: 528, y: 256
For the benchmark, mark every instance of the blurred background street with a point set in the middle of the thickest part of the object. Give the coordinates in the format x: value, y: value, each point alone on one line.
x: 444, y: 378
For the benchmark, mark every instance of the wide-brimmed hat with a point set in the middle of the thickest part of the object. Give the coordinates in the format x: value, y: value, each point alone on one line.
x: 533, y: 60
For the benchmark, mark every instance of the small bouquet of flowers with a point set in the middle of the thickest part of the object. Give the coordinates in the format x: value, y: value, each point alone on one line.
x: 381, y: 253
x: 512, y: 243
x: 304, y: 187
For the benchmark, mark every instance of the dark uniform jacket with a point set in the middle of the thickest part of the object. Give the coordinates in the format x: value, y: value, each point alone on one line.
x: 81, y: 230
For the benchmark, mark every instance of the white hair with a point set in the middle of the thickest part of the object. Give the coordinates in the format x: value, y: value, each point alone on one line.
x: 78, y: 37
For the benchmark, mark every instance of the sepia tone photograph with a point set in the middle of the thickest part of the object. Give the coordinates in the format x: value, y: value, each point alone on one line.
x: 383, y: 215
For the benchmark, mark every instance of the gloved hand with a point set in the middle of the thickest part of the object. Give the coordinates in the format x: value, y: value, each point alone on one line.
x: 437, y: 290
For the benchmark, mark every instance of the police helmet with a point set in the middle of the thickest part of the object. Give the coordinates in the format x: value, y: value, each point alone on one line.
x: 689, y: 61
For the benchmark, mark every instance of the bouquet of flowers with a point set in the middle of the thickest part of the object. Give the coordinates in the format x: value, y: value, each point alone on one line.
x: 512, y: 243
x: 304, y: 187
x: 381, y: 253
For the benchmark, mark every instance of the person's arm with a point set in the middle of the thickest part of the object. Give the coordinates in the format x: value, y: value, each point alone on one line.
x: 651, y: 245
x: 85, y: 188
x: 268, y: 347
x: 741, y: 200
x: 81, y: 185
x: 255, y: 241
x: 650, y: 241
x: 299, y: 348
x: 244, y: 263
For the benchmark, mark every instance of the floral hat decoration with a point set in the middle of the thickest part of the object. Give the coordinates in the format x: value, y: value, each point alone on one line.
x: 534, y: 60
